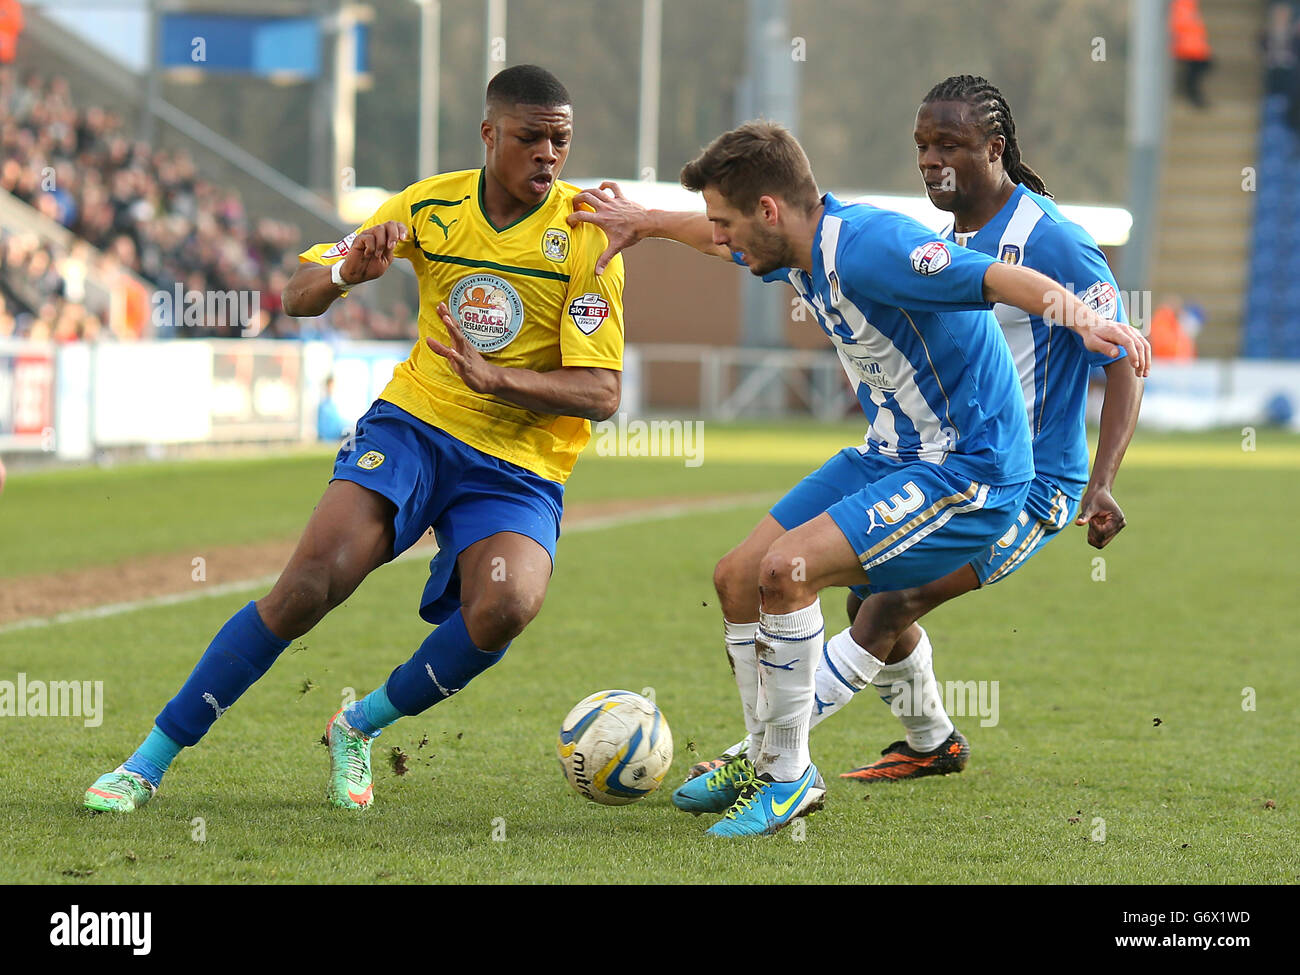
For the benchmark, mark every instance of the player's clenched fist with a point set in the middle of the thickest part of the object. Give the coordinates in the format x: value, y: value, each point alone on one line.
x: 372, y: 252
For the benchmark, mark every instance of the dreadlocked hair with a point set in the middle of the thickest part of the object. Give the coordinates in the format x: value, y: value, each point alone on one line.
x: 993, y: 116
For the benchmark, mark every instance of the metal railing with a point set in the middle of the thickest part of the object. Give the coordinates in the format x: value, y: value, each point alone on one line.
x: 735, y: 383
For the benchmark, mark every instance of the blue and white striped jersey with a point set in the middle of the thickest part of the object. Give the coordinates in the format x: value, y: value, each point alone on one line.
x: 925, y: 358
x: 1052, y: 362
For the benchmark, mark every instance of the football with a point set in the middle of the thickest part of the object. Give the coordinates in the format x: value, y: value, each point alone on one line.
x: 615, y: 747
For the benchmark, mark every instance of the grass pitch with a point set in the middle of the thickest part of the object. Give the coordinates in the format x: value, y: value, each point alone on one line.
x: 1146, y: 705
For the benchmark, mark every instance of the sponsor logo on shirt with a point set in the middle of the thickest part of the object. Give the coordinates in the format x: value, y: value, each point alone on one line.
x: 588, y: 312
x: 868, y: 369
x: 341, y: 248
x: 931, y: 258
x: 489, y: 310
x: 1102, y: 298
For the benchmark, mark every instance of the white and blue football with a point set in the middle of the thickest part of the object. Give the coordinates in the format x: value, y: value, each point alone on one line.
x: 615, y: 747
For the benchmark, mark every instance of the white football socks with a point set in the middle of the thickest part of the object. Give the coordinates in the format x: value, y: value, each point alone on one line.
x: 843, y: 669
x: 788, y: 648
x: 744, y: 665
x: 912, y: 693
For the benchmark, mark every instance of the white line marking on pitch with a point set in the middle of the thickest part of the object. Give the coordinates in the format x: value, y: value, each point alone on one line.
x: 418, y: 551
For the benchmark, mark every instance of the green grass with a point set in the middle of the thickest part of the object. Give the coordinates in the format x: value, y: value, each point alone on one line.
x: 1198, y: 603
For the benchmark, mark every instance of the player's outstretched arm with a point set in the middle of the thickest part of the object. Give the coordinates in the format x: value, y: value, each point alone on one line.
x: 1119, y: 412
x: 312, y: 290
x: 625, y: 223
x: 1039, y: 295
x: 590, y: 393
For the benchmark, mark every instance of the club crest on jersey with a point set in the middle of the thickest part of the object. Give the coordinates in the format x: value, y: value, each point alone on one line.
x: 588, y: 312
x: 341, y: 248
x: 489, y: 310
x: 555, y: 244
x: 1102, y: 299
x: 370, y: 460
x: 834, y: 280
x: 931, y: 258
x: 1010, y: 254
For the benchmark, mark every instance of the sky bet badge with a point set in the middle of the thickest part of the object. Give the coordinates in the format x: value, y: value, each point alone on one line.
x: 588, y: 311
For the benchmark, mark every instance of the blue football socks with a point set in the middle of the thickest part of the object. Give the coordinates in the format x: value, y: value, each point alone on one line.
x: 446, y: 661
x: 241, y: 652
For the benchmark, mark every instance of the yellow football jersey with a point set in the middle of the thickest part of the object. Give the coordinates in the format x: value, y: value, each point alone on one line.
x: 526, y: 295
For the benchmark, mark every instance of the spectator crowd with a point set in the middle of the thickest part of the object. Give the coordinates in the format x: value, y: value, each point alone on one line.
x: 138, y: 214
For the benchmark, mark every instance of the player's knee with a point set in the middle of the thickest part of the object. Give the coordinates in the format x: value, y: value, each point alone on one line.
x: 782, y: 573
x: 891, y: 614
x: 495, y: 618
x: 295, y: 605
x: 732, y: 575
x: 302, y: 596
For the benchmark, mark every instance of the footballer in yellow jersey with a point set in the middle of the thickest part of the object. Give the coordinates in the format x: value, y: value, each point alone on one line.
x: 525, y: 296
x: 521, y: 344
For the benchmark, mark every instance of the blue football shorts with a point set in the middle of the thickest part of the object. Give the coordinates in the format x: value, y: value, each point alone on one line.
x: 910, y: 523
x: 437, y: 481
x: 1047, y: 510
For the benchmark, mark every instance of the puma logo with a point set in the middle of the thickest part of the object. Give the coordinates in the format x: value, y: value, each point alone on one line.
x: 789, y: 666
x: 872, y: 524
x: 442, y: 690
x: 444, y: 227
x: 215, y: 706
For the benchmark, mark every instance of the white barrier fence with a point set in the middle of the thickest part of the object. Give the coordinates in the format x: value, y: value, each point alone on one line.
x: 72, y: 400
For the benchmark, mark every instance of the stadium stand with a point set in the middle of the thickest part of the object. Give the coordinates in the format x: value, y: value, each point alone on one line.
x: 1203, y: 218
x: 1272, y: 327
x: 146, y: 212
x: 1272, y: 324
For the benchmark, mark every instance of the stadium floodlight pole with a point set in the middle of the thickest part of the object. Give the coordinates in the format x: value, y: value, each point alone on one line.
x: 345, y: 100
x: 496, y: 38
x: 153, y: 69
x: 1147, y: 90
x: 430, y: 70
x: 770, y: 90
x: 647, y: 143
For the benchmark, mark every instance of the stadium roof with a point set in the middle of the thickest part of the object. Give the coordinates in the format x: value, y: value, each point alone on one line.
x: 1109, y: 226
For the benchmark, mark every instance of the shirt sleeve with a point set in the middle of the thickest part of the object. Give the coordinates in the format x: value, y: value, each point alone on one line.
x: 394, y: 208
x: 1075, y: 260
x: 591, y: 323
x: 893, y: 260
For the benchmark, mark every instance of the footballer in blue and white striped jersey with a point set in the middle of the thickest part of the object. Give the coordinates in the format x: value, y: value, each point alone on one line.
x: 925, y: 359
x: 1052, y: 363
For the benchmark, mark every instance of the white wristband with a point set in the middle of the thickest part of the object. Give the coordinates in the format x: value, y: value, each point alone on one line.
x: 336, y: 275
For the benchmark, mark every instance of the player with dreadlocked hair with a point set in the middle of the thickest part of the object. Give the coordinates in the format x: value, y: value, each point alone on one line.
x: 969, y: 159
x: 992, y: 116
